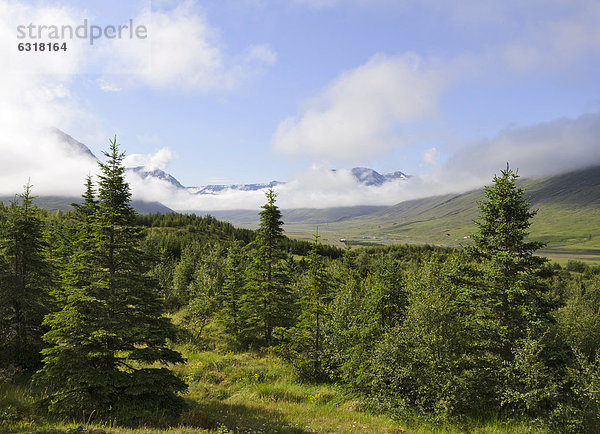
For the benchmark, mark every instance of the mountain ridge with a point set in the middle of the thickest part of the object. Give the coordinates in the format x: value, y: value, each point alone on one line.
x: 363, y: 175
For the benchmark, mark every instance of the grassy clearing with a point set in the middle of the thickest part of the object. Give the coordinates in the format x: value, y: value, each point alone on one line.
x: 245, y: 393
x: 251, y: 392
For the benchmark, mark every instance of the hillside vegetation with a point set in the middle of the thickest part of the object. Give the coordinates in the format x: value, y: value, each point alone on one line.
x: 115, y: 322
x: 568, y: 218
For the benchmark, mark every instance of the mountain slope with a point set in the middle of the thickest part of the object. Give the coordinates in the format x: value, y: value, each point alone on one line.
x: 63, y: 203
x: 73, y: 146
x: 250, y: 218
x: 568, y: 218
x: 144, y: 173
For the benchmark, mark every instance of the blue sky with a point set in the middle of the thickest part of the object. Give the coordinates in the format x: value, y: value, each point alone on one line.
x: 255, y: 90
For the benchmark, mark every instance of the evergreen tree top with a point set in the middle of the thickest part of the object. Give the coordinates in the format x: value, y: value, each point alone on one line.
x: 505, y: 218
x: 114, y: 194
x: 270, y: 218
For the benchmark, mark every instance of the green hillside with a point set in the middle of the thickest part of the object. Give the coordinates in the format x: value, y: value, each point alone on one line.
x: 63, y: 203
x: 249, y: 218
x: 568, y: 218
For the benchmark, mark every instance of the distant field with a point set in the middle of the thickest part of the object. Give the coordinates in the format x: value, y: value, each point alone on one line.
x: 568, y: 234
x: 568, y: 219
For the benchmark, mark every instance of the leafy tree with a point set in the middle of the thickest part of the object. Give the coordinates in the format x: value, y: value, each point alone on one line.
x: 111, y: 328
x: 24, y: 283
x: 432, y: 361
x: 183, y: 273
x: 204, y: 290
x: 530, y: 386
x: 315, y: 301
x: 579, y: 320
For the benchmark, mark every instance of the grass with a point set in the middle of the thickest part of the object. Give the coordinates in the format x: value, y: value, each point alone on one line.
x: 259, y: 393
x: 246, y: 392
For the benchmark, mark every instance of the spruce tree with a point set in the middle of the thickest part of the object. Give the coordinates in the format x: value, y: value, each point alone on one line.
x: 110, y: 328
x: 514, y: 294
x: 233, y: 290
x: 267, y: 304
x: 303, y: 343
x: 315, y: 301
x: 24, y: 283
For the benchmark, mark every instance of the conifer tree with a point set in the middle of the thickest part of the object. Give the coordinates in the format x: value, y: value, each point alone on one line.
x: 315, y: 300
x: 111, y: 327
x: 302, y: 344
x: 515, y: 294
x: 268, y: 302
x: 24, y: 283
x: 79, y: 271
x: 233, y: 290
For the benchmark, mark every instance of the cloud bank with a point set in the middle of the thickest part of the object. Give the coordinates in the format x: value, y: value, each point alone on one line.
x: 538, y: 150
x: 358, y: 115
x: 35, y: 96
x: 37, y: 89
x: 159, y: 160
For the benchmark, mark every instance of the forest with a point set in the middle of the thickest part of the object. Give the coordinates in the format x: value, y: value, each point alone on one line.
x: 110, y: 320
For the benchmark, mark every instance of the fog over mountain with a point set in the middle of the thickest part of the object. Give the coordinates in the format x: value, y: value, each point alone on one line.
x: 57, y: 164
x: 151, y: 183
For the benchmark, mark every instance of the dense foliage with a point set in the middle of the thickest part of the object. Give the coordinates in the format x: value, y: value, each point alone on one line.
x: 487, y: 331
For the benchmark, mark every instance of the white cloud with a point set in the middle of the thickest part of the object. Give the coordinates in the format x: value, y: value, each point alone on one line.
x: 557, y: 42
x: 36, y: 95
x: 314, y: 188
x: 429, y: 157
x: 538, y: 150
x: 544, y: 149
x: 159, y: 160
x: 360, y: 112
x: 107, y: 87
x: 36, y: 87
x: 261, y: 53
x: 182, y: 51
x: 549, y: 147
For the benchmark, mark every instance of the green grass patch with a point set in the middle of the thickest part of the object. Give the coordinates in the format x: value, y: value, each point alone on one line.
x: 255, y: 392
x: 246, y: 392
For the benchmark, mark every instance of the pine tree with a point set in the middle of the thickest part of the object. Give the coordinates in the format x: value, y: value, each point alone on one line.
x: 315, y: 300
x: 24, y: 283
x: 79, y: 272
x: 303, y: 343
x: 111, y: 327
x: 515, y: 294
x: 233, y: 290
x: 267, y: 304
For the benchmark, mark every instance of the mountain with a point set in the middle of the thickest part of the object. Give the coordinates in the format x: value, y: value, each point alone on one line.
x: 220, y: 188
x: 395, y: 175
x: 77, y: 149
x: 144, y: 173
x: 73, y: 146
x: 63, y: 203
x: 370, y: 177
x: 363, y: 175
x: 568, y: 217
x: 302, y: 216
